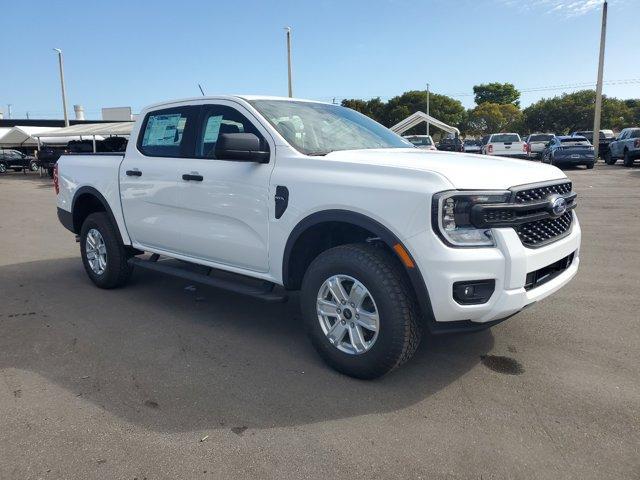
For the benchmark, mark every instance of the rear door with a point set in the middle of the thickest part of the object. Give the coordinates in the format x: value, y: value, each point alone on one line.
x: 150, y: 176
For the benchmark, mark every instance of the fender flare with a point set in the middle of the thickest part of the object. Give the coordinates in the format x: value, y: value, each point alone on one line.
x: 380, y: 231
x: 86, y: 190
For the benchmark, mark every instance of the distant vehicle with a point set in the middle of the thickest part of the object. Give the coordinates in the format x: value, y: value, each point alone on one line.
x: 48, y: 156
x: 16, y: 161
x: 424, y: 142
x: 626, y: 146
x: 505, y: 145
x: 569, y: 150
x: 472, y: 146
x: 536, y: 143
x: 451, y: 145
x: 606, y: 137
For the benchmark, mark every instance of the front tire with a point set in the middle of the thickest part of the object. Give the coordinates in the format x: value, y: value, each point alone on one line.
x: 359, y: 312
x: 590, y: 166
x: 3, y: 168
x: 104, y: 257
x: 608, y: 158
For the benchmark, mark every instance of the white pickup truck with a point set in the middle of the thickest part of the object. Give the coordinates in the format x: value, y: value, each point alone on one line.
x: 383, y: 240
x: 505, y: 145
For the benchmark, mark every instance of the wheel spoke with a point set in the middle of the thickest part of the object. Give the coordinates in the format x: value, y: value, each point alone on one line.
x: 357, y: 339
x: 368, y: 320
x: 337, y: 290
x: 336, y: 332
x: 357, y: 294
x: 327, y: 307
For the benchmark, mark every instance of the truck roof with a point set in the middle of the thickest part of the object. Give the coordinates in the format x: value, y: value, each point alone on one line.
x: 229, y: 97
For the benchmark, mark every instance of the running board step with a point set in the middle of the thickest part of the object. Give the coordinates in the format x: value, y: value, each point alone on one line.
x: 265, y: 292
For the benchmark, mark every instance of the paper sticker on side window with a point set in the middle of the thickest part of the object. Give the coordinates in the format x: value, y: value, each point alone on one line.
x: 164, y: 130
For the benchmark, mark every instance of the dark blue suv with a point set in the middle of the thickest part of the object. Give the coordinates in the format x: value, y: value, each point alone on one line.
x: 566, y: 151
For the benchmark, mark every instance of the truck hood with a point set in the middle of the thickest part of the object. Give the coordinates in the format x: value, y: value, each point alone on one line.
x: 462, y: 170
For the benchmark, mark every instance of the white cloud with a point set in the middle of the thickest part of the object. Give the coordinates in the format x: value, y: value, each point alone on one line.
x: 569, y: 8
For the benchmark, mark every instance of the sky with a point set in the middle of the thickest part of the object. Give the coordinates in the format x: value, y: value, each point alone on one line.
x: 134, y: 53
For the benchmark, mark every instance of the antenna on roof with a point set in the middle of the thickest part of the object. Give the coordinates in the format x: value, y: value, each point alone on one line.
x: 201, y: 90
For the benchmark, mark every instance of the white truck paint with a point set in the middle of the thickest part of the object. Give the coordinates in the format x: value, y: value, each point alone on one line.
x: 505, y: 145
x: 228, y: 219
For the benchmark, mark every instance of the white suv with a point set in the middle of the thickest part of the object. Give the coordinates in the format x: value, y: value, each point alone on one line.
x: 382, y: 239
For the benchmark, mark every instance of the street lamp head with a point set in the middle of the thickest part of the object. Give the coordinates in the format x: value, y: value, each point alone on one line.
x: 58, y: 50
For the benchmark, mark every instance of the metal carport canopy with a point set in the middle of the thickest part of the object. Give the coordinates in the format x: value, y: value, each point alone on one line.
x: 90, y: 130
x: 419, y: 117
x: 23, y: 136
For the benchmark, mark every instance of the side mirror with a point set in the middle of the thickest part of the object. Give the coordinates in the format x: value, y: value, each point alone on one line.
x: 242, y: 147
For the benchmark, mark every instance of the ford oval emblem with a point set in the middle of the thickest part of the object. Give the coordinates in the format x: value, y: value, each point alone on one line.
x: 557, y: 205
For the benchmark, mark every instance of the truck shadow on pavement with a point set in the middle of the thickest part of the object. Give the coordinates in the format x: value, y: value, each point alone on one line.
x: 169, y: 356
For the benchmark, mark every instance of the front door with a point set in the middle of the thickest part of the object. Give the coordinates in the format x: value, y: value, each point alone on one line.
x: 204, y: 207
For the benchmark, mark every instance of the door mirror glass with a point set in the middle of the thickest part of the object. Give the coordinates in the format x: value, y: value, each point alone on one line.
x: 241, y: 147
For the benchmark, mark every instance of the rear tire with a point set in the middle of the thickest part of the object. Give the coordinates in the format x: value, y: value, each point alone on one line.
x: 396, y: 335
x: 608, y: 158
x: 3, y: 168
x: 112, y: 269
x: 628, y: 161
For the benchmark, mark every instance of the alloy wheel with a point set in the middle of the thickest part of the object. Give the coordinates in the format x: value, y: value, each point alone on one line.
x: 348, y: 314
x: 96, y: 251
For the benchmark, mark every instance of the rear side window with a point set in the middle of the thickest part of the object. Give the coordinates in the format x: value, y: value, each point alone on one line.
x: 505, y: 138
x: 540, y: 138
x: 635, y: 134
x: 168, y: 132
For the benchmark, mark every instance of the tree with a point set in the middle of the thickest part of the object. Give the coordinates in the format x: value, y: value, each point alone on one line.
x: 500, y: 93
x: 574, y: 111
x: 373, y: 108
x: 442, y: 107
x: 493, y: 117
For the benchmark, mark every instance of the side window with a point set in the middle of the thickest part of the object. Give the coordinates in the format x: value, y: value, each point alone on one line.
x: 635, y: 134
x: 216, y: 120
x: 168, y: 132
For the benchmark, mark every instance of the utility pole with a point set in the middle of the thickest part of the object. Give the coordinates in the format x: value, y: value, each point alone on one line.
x: 9, y: 105
x: 427, y: 108
x: 598, y: 108
x: 288, y: 30
x: 64, y: 92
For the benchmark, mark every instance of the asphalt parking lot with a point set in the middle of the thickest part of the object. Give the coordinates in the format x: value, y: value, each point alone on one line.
x: 161, y: 380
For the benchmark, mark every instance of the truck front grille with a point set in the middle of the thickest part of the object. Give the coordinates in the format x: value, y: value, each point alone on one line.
x: 541, y: 232
x: 540, y: 193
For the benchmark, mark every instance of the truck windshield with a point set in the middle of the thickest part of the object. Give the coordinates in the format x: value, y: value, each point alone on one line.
x: 320, y: 128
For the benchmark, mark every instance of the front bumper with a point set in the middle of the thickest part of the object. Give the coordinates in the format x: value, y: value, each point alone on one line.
x: 508, y: 264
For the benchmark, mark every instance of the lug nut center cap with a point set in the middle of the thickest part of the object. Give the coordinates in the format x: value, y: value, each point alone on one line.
x: 347, y: 314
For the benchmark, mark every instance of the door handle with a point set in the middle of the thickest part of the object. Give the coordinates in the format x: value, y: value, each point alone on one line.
x: 133, y: 173
x: 192, y: 177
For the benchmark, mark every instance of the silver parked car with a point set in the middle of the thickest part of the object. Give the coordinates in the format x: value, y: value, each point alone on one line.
x: 536, y: 143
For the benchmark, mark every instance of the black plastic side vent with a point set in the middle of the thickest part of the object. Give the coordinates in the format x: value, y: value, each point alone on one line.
x: 282, y: 200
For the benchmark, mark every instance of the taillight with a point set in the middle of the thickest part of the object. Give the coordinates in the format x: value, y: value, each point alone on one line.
x: 526, y: 148
x: 490, y: 148
x: 56, y: 185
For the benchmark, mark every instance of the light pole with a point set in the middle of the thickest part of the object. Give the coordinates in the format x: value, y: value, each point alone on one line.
x: 64, y: 92
x: 598, y: 108
x: 288, y: 30
x: 427, y: 108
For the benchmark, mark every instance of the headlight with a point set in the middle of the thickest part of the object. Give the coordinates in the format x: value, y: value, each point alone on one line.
x: 451, y: 217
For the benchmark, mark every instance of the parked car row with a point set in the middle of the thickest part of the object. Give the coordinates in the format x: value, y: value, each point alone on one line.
x: 17, y: 161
